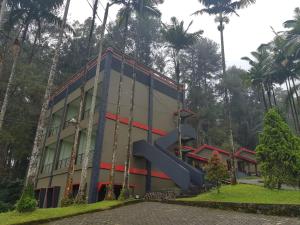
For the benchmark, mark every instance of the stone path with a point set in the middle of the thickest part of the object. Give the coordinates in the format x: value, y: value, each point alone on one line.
x: 149, y: 213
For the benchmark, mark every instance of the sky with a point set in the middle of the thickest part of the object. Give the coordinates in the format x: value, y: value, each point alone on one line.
x: 242, y: 35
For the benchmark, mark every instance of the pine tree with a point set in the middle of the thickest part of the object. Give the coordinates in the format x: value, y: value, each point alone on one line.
x: 216, y: 171
x: 278, y: 151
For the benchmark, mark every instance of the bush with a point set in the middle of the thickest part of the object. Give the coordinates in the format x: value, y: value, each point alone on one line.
x: 27, y: 202
x: 4, y: 207
x: 65, y: 202
x: 278, y: 152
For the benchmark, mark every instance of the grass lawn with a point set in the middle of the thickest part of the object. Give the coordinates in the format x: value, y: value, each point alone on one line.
x: 246, y: 193
x: 41, y: 214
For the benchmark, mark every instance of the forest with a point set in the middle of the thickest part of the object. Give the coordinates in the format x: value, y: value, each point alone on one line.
x: 33, y: 32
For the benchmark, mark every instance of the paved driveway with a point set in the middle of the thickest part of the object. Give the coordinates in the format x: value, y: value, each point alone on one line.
x: 149, y: 213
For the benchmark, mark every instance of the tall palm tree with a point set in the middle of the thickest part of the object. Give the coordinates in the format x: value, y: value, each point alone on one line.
x: 221, y: 9
x: 142, y: 9
x: 82, y: 187
x: 3, y: 14
x: 259, y: 72
x: 179, y: 39
x: 35, y: 155
x: 124, y: 14
x: 71, y: 167
x: 29, y: 12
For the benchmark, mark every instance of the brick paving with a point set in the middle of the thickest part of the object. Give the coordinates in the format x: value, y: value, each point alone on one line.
x: 149, y: 213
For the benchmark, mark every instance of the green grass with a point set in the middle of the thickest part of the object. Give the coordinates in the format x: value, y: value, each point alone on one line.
x: 42, y: 214
x: 244, y: 193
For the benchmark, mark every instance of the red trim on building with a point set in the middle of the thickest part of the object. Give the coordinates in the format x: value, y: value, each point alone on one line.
x: 192, y: 155
x: 246, y: 159
x: 212, y: 148
x: 189, y: 148
x: 136, y: 124
x: 242, y: 149
x: 100, y: 184
x: 137, y: 171
x: 128, y: 60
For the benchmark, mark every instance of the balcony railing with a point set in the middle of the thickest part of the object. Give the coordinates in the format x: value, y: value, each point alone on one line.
x: 86, y: 113
x: 53, y: 131
x: 63, y: 163
x: 80, y: 157
x: 47, y: 168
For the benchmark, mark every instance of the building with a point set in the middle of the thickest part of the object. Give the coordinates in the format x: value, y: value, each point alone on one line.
x: 245, y: 160
x: 155, y: 104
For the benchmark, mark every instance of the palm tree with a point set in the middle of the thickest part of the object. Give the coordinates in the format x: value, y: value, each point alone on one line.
x: 3, y: 14
x: 142, y: 9
x: 179, y: 39
x: 124, y: 14
x: 31, y: 11
x: 71, y: 167
x: 82, y: 187
x: 223, y: 8
x: 34, y: 160
x: 259, y: 71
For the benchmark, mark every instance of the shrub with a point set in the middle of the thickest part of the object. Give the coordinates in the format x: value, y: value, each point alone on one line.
x: 65, y: 202
x: 216, y: 170
x: 27, y: 202
x: 278, y: 152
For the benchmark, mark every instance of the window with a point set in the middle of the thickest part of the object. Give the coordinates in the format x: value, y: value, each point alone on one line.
x: 82, y: 144
x: 55, y: 123
x: 72, y: 112
x: 65, y: 152
x: 88, y: 101
x: 48, y: 159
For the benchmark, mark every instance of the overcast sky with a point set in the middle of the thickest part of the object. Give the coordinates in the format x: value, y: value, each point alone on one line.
x: 242, y: 35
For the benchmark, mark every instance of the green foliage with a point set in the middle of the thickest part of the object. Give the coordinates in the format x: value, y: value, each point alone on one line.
x: 52, y: 213
x: 9, y: 193
x: 65, y: 202
x: 124, y: 195
x: 27, y: 202
x: 278, y: 151
x: 216, y: 171
x: 246, y: 193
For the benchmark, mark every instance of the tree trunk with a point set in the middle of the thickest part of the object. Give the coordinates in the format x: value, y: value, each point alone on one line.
x: 8, y: 90
x: 83, y: 179
x: 264, y: 97
x: 227, y: 106
x: 35, y: 156
x: 269, y: 96
x: 110, y: 188
x: 293, y: 104
x: 274, y: 97
x: 3, y: 14
x: 69, y: 183
x: 177, y: 73
x: 34, y: 45
x: 292, y: 109
x: 125, y: 189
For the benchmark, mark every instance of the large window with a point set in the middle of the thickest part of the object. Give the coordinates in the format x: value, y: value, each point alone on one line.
x: 82, y: 144
x: 48, y: 159
x: 55, y: 123
x: 65, y: 152
x: 88, y: 102
x: 72, y: 112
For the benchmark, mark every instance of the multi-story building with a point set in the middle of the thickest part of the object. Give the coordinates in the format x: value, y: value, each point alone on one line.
x: 155, y: 104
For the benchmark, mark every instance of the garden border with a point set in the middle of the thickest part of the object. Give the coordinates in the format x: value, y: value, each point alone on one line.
x: 292, y: 210
x: 43, y: 221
